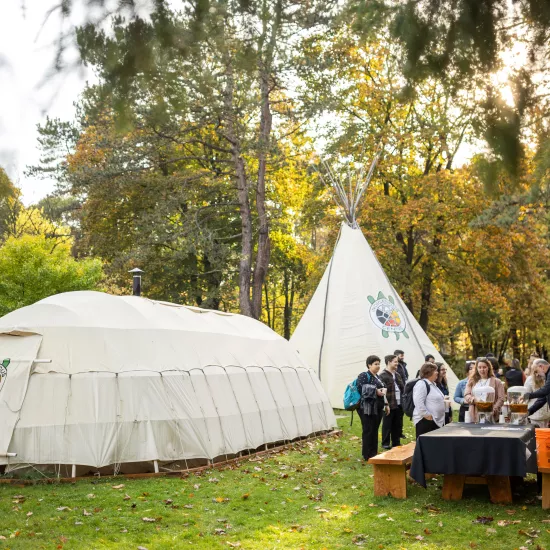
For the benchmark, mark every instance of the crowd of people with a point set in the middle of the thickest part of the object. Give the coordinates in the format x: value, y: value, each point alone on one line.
x: 388, y: 394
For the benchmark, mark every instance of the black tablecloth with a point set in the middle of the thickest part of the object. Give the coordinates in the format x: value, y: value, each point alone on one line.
x: 475, y: 450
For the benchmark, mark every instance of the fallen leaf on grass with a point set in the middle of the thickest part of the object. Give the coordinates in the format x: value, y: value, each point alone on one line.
x: 29, y: 514
x: 245, y: 496
x: 433, y: 509
x: 417, y: 510
x: 234, y: 544
x: 510, y: 512
x: 545, y: 521
x: 483, y: 519
x: 322, y: 510
x: 148, y: 520
x: 63, y: 509
x: 505, y: 522
x: 382, y: 515
x: 219, y: 532
x: 188, y: 506
x: 419, y: 537
x: 118, y: 486
x: 427, y: 531
x: 532, y: 533
x: 126, y: 497
x: 390, y: 519
x: 297, y: 528
x: 78, y: 523
x: 490, y: 530
x: 86, y: 513
x: 168, y: 501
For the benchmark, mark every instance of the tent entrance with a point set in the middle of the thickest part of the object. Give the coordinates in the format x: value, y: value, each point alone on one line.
x: 17, y: 355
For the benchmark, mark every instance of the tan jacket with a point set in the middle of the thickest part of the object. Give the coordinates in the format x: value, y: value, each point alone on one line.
x: 497, y: 385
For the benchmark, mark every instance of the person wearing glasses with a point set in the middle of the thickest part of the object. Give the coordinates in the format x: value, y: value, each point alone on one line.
x: 442, y: 384
x: 484, y: 375
x: 460, y: 389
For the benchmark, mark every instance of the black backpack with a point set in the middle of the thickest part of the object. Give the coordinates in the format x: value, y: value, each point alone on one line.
x: 407, y: 402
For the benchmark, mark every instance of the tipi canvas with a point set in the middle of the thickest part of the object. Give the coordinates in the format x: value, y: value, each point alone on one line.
x: 93, y: 382
x: 355, y: 311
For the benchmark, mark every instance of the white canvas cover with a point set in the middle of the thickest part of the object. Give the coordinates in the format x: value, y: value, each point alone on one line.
x: 133, y: 380
x: 342, y: 324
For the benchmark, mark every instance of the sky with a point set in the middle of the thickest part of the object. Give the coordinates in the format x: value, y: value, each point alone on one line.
x: 27, y: 93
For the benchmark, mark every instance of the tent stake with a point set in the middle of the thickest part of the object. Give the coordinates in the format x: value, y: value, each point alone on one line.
x: 73, y: 472
x: 156, y: 464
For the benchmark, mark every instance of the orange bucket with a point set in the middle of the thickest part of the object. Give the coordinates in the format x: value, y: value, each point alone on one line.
x: 543, y: 447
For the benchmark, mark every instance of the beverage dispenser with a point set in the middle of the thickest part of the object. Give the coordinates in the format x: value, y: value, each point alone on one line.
x: 518, y: 405
x: 484, y: 397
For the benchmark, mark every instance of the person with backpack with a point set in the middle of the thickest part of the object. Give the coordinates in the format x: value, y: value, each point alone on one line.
x: 392, y: 425
x: 372, y: 406
x: 429, y: 401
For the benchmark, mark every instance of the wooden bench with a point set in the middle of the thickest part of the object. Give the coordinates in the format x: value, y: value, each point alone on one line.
x: 545, y: 472
x: 390, y: 471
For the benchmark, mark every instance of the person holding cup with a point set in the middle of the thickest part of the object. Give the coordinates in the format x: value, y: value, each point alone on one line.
x: 373, y: 406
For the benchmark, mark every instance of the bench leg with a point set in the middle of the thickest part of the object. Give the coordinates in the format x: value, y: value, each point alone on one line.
x: 453, y: 485
x: 390, y: 480
x: 500, y: 490
x: 545, y: 491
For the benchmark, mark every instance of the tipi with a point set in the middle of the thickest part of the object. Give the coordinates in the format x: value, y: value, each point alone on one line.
x: 94, y: 382
x: 355, y: 311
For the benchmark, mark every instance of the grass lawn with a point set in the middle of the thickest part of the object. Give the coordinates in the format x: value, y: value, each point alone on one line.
x: 318, y: 495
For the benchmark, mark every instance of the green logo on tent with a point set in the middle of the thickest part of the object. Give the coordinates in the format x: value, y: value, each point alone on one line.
x: 386, y: 316
x: 3, y: 371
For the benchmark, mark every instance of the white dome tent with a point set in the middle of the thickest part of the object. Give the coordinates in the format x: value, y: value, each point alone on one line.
x: 355, y: 311
x: 94, y: 381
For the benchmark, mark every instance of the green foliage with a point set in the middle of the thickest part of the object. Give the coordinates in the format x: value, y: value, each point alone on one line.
x: 35, y: 266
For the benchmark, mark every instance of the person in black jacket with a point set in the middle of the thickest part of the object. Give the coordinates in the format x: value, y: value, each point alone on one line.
x: 392, y: 425
x: 542, y: 394
x: 402, y: 370
x: 372, y: 408
x: 401, y: 365
x: 514, y: 375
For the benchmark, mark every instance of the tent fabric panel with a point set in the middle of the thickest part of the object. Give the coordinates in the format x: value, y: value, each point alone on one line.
x: 21, y: 350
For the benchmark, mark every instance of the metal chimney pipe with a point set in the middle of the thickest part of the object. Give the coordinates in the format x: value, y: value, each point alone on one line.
x: 136, y: 281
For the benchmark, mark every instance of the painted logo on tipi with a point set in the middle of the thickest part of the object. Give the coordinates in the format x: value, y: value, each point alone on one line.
x: 3, y: 371
x: 387, y: 316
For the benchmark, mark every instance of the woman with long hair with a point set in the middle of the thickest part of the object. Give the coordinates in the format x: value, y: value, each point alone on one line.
x: 533, y: 383
x: 483, y: 375
x: 442, y: 384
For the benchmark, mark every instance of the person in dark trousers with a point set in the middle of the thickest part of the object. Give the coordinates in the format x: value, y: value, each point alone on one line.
x: 373, y: 406
x: 402, y: 370
x: 392, y: 425
x: 514, y: 375
x: 429, y: 402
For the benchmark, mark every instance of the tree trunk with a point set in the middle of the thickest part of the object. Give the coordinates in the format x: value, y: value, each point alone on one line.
x: 516, y: 352
x: 266, y: 292
x: 262, y: 256
x: 245, y: 266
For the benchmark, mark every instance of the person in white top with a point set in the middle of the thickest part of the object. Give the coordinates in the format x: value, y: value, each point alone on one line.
x: 429, y: 401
